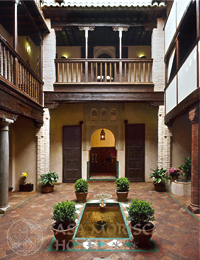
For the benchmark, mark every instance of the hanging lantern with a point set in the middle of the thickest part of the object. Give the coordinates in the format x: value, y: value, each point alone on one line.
x: 102, y: 135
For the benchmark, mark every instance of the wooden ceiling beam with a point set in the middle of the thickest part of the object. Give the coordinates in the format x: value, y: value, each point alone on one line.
x: 134, y: 24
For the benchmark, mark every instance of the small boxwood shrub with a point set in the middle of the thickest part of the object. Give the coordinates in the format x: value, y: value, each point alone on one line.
x: 64, y: 214
x: 122, y: 184
x: 81, y: 185
x: 140, y: 212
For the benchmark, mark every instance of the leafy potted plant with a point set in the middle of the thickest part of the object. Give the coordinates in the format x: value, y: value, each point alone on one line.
x: 64, y: 214
x: 140, y: 214
x: 174, y: 172
x: 159, y: 177
x: 185, y: 168
x: 81, y: 189
x: 122, y: 185
x: 47, y: 181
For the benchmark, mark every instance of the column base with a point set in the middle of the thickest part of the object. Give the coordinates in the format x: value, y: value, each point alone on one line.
x: 195, y: 209
x: 5, y: 209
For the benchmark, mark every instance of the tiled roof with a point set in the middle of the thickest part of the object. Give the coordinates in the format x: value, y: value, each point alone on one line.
x: 101, y: 3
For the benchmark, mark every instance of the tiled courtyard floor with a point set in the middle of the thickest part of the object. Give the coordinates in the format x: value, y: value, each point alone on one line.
x: 176, y: 235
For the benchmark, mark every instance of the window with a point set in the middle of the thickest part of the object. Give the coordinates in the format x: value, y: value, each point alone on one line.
x: 94, y: 114
x: 113, y: 116
x: 103, y: 114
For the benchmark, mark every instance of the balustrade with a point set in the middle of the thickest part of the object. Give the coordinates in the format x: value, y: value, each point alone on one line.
x: 103, y: 70
x: 15, y: 70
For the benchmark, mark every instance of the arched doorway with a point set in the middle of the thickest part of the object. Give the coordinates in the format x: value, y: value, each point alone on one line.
x: 102, y: 155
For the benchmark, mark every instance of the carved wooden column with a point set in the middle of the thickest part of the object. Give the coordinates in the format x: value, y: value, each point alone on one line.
x: 120, y: 30
x: 86, y: 29
x: 194, y: 117
x: 15, y: 36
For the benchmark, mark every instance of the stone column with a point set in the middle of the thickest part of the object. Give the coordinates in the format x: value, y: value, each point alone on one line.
x: 43, y: 146
x: 4, y: 164
x: 194, y: 117
x: 164, y: 141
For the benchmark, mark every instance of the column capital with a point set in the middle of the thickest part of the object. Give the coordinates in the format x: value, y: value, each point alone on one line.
x: 194, y: 114
x: 120, y: 28
x: 6, y: 121
x: 86, y: 28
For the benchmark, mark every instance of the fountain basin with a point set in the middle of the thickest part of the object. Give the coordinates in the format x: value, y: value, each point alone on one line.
x: 112, y: 214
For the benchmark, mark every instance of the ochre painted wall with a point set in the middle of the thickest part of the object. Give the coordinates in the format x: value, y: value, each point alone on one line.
x: 22, y: 151
x: 181, y: 140
x: 33, y: 58
x: 72, y: 114
x: 143, y: 113
x: 108, y: 142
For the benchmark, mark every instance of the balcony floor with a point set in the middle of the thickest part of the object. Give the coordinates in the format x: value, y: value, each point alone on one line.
x: 176, y: 235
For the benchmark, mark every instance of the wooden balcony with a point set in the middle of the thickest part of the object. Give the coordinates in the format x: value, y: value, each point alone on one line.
x: 104, y: 71
x: 95, y: 80
x: 19, y: 84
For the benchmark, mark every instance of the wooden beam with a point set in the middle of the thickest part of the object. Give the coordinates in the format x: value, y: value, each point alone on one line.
x: 135, y: 24
x: 14, y: 101
x: 98, y: 87
x: 60, y: 97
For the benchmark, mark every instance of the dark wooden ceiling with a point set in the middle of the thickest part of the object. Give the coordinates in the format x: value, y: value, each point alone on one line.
x: 30, y: 21
x: 140, y: 21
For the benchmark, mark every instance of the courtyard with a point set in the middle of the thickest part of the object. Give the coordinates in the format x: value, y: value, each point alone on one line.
x: 176, y: 235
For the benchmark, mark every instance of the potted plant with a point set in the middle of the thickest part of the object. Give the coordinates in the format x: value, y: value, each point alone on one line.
x: 122, y: 185
x: 185, y: 168
x: 25, y: 186
x: 64, y: 214
x: 159, y: 177
x: 47, y: 181
x: 140, y: 214
x: 81, y: 189
x: 174, y: 172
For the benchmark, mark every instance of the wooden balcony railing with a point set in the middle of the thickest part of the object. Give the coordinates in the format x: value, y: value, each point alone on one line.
x: 104, y: 71
x: 15, y: 70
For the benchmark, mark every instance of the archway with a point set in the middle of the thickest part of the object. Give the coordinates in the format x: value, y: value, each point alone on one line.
x: 102, y: 155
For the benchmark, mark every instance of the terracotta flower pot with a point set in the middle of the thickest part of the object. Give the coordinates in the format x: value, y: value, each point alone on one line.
x: 81, y: 196
x: 159, y: 187
x: 66, y: 234
x: 142, y: 236
x: 47, y: 188
x: 122, y: 195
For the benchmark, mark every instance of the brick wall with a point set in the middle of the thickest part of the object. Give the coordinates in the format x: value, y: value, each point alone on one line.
x: 157, y: 53
x: 43, y: 146
x: 164, y: 141
x: 49, y: 53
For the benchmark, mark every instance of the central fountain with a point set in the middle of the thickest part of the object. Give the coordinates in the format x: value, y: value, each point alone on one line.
x: 102, y: 198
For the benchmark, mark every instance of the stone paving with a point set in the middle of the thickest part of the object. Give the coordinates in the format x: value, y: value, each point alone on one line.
x: 176, y: 235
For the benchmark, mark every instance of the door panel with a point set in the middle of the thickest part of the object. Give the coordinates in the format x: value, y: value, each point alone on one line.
x: 135, y: 143
x: 72, y: 137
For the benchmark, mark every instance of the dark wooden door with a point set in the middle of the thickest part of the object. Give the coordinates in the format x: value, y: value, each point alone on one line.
x: 135, y: 144
x: 72, y: 136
